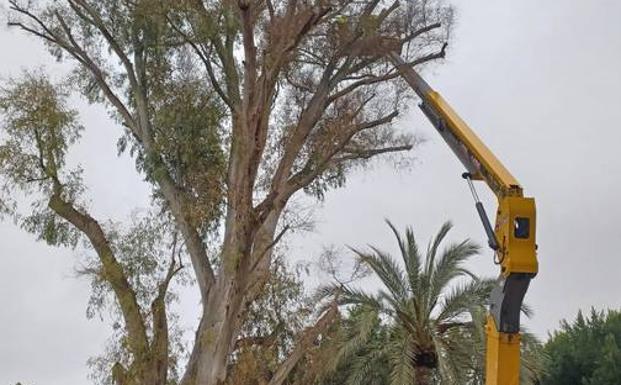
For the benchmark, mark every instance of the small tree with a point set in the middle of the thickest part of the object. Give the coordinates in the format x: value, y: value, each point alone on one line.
x: 432, y: 334
x: 435, y: 313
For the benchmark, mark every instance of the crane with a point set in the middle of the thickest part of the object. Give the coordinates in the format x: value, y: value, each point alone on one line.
x: 512, y: 238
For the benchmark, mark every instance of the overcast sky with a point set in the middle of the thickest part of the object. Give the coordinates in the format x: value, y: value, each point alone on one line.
x: 538, y: 80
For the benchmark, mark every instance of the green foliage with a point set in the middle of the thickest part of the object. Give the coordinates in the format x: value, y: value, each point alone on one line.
x: 431, y: 326
x: 361, y: 358
x: 189, y: 139
x: 271, y: 327
x: 145, y: 249
x: 428, y: 318
x: 586, y: 351
x: 181, y: 110
x: 279, y: 310
x: 36, y: 132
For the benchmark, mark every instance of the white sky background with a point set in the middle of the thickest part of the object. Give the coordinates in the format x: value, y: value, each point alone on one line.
x: 539, y: 81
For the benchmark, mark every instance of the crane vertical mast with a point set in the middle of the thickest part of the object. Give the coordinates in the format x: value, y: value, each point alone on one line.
x: 512, y: 238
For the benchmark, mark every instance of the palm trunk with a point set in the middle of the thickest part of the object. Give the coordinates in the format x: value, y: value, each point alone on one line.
x: 423, y: 375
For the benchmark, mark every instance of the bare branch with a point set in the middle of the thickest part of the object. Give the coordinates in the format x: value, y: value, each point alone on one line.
x: 269, y: 247
x: 421, y: 31
x: 304, y: 177
x: 392, y: 74
x: 74, y: 50
x: 208, y: 66
x: 366, y: 154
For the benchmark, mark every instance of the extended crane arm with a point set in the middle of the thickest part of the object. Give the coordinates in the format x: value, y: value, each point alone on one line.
x: 480, y: 162
x: 513, y: 237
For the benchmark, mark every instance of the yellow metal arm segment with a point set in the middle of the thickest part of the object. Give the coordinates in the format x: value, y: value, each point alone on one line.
x: 515, y: 220
x: 480, y: 162
x: 513, y: 237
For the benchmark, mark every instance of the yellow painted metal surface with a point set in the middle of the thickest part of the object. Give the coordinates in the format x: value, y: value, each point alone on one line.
x: 500, y: 178
x: 502, y: 366
x: 517, y: 255
x: 518, y: 251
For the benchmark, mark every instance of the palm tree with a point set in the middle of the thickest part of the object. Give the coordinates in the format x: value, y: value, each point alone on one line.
x: 429, y: 303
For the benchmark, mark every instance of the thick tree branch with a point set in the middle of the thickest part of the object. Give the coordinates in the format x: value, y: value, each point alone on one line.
x: 196, y: 248
x: 246, y: 8
x: 223, y: 49
x: 112, y: 271
x: 160, y: 343
x: 328, y: 158
x: 307, y: 339
x: 309, y: 117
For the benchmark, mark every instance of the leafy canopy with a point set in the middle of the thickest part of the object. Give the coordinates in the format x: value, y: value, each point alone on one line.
x: 429, y: 299
x: 586, y: 351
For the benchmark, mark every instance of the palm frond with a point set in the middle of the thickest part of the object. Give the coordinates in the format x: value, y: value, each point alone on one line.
x: 456, y: 350
x: 427, y: 312
x: 463, y: 297
x: 401, y: 357
x: 387, y: 271
x: 352, y: 296
x: 400, y: 310
x: 426, y: 302
x: 527, y: 310
x: 364, y: 367
x: 449, y: 267
x: 345, y: 295
x: 326, y: 291
x: 359, y: 330
x: 432, y: 249
x: 409, y: 253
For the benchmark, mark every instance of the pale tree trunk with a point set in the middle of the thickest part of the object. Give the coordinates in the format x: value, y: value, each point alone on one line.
x: 237, y: 286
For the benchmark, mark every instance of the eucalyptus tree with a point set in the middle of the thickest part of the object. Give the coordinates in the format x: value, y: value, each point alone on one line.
x: 229, y: 109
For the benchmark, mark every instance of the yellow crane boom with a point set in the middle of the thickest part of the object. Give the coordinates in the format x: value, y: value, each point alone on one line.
x: 512, y: 238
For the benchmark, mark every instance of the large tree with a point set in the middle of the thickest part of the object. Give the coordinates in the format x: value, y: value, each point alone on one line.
x: 230, y: 108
